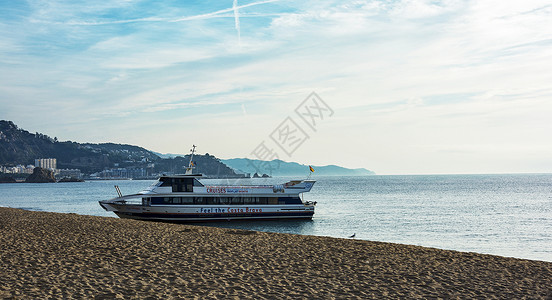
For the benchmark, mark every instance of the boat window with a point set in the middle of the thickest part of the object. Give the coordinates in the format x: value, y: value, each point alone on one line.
x: 295, y: 200
x: 197, y: 183
x: 177, y: 185
x: 263, y: 200
x: 165, y: 181
x: 171, y: 200
x: 225, y: 200
x: 199, y: 200
x: 289, y: 200
x: 272, y: 200
x: 212, y: 200
x: 237, y: 200
x: 182, y: 184
x: 187, y: 200
x: 249, y: 200
x: 157, y: 200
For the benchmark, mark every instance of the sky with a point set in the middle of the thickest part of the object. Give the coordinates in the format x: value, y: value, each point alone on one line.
x: 400, y: 87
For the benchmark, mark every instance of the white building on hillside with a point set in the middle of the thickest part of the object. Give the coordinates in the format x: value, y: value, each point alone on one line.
x: 46, y: 163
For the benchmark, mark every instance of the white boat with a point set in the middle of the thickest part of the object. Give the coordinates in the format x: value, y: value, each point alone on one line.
x: 184, y: 198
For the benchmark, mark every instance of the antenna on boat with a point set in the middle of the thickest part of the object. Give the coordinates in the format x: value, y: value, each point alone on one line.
x: 191, y: 164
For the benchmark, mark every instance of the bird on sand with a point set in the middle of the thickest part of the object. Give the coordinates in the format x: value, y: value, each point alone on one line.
x: 353, y: 236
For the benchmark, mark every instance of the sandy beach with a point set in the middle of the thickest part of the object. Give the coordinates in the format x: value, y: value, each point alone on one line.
x: 53, y: 255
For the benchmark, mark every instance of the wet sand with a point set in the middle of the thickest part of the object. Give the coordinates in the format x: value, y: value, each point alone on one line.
x: 53, y: 255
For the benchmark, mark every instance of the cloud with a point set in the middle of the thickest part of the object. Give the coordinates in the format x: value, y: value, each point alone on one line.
x: 56, y: 13
x: 404, y: 75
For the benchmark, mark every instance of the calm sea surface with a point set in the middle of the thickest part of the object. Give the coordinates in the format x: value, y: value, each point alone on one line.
x: 507, y: 215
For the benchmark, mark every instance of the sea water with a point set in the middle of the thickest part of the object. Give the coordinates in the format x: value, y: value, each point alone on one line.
x: 507, y: 215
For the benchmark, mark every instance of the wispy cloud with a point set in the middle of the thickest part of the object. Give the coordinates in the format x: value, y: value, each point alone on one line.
x: 43, y: 17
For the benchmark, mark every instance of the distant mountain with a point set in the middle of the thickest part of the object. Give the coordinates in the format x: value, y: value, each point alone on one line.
x: 168, y: 155
x: 281, y: 168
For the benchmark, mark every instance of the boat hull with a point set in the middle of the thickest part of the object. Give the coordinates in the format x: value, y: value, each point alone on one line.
x: 215, y: 217
x: 210, y: 213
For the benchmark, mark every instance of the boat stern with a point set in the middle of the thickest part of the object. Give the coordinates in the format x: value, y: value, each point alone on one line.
x: 299, y: 186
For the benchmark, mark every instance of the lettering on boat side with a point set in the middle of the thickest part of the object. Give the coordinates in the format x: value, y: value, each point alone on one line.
x: 236, y: 190
x: 216, y: 190
x: 226, y: 190
x: 229, y: 210
x: 244, y: 210
x: 211, y: 210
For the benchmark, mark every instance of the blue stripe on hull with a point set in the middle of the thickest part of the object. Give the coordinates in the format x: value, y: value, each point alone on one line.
x: 215, y: 217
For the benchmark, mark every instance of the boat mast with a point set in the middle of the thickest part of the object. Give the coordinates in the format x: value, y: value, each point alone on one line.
x: 191, y: 165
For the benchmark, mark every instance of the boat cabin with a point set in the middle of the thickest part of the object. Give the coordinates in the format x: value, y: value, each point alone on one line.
x: 180, y: 184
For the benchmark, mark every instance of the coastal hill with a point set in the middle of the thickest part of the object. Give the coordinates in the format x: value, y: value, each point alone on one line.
x: 18, y: 146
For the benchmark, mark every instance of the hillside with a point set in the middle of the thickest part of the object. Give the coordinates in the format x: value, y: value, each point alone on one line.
x: 18, y: 146
x: 281, y: 168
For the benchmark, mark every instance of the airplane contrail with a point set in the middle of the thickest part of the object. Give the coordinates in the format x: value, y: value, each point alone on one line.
x: 215, y: 13
x: 237, y: 19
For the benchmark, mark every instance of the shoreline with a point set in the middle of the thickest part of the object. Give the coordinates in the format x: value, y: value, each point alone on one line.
x: 57, y: 255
